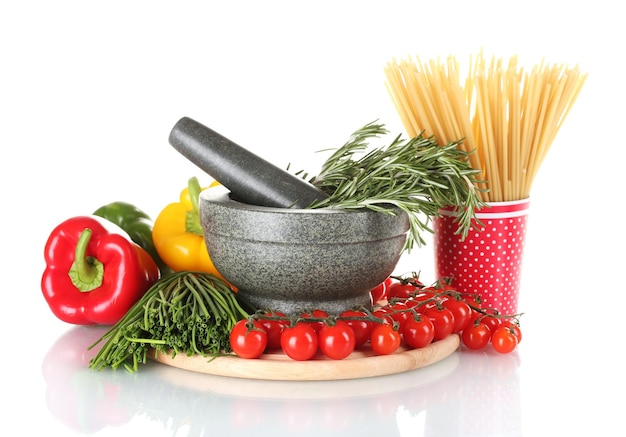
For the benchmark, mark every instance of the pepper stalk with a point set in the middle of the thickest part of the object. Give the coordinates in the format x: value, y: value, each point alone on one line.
x: 86, y: 272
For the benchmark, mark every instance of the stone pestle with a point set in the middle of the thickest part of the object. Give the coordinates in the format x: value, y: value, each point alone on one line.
x: 250, y: 178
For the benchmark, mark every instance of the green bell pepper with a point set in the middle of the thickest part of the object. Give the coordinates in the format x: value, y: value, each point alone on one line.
x: 137, y: 224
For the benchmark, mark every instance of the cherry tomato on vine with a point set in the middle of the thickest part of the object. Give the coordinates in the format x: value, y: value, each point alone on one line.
x: 401, y: 289
x: 461, y: 311
x: 384, y: 313
x: 317, y: 314
x: 299, y: 342
x: 362, y: 328
x: 516, y: 329
x: 274, y: 329
x: 473, y: 300
x: 400, y: 312
x: 476, y: 336
x: 248, y: 339
x: 423, y: 300
x: 503, y: 340
x: 385, y: 340
x: 444, y: 285
x: 429, y: 291
x: 418, y: 331
x: 336, y: 340
x: 442, y: 319
x: 492, y: 322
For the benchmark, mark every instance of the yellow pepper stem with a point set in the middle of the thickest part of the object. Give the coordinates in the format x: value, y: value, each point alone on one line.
x: 192, y: 218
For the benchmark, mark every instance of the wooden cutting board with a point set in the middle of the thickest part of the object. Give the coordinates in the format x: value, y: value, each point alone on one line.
x: 279, y: 367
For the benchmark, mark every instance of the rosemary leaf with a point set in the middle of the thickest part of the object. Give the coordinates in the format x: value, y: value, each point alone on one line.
x: 417, y: 175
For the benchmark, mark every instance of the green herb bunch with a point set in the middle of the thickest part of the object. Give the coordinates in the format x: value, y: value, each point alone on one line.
x: 184, y: 312
x: 417, y: 175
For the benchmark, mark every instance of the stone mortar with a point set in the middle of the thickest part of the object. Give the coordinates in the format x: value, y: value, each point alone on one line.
x: 301, y: 259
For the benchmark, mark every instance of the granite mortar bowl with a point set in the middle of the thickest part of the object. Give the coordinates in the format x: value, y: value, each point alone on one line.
x: 293, y: 260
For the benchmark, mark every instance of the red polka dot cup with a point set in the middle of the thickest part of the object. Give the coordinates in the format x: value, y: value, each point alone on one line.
x: 488, y: 262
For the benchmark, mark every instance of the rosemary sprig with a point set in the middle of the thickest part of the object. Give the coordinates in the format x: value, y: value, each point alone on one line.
x: 417, y: 176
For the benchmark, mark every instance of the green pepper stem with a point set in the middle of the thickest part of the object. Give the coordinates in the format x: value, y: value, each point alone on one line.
x: 192, y: 219
x: 86, y: 272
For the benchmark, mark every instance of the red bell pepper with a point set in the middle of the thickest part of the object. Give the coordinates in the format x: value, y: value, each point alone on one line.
x: 93, y: 276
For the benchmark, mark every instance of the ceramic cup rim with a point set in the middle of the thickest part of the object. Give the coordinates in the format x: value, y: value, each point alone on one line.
x: 495, y: 210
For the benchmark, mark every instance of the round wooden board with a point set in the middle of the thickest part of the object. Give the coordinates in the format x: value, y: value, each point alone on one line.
x: 279, y: 367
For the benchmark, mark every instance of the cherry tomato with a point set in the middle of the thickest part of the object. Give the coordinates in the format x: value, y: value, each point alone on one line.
x: 384, y: 339
x: 317, y: 314
x: 423, y: 300
x: 472, y: 299
x: 400, y: 312
x: 401, y: 290
x: 336, y: 340
x: 299, y: 342
x: 504, y: 340
x: 516, y: 329
x: 476, y: 336
x: 274, y: 329
x: 248, y: 339
x: 443, y: 285
x: 461, y: 311
x: 418, y: 331
x: 442, y: 319
x: 492, y: 322
x: 430, y: 290
x: 384, y: 313
x: 362, y: 328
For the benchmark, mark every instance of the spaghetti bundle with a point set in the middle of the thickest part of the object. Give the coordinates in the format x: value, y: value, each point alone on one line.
x: 507, y: 117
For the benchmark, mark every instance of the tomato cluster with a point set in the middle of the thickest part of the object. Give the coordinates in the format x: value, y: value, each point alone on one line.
x: 407, y: 313
x: 477, y: 326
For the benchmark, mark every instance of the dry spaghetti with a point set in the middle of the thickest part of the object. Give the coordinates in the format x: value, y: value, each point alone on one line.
x: 507, y: 116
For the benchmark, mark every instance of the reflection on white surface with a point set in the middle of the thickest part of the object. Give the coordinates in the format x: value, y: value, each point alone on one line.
x: 478, y: 391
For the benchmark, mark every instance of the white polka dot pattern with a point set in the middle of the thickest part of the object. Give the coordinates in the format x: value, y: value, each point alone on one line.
x: 488, y: 261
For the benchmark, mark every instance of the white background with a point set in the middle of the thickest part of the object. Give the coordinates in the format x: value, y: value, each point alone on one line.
x: 90, y: 90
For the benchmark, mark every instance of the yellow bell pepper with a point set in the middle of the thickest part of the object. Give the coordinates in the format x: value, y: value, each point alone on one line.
x: 177, y: 233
